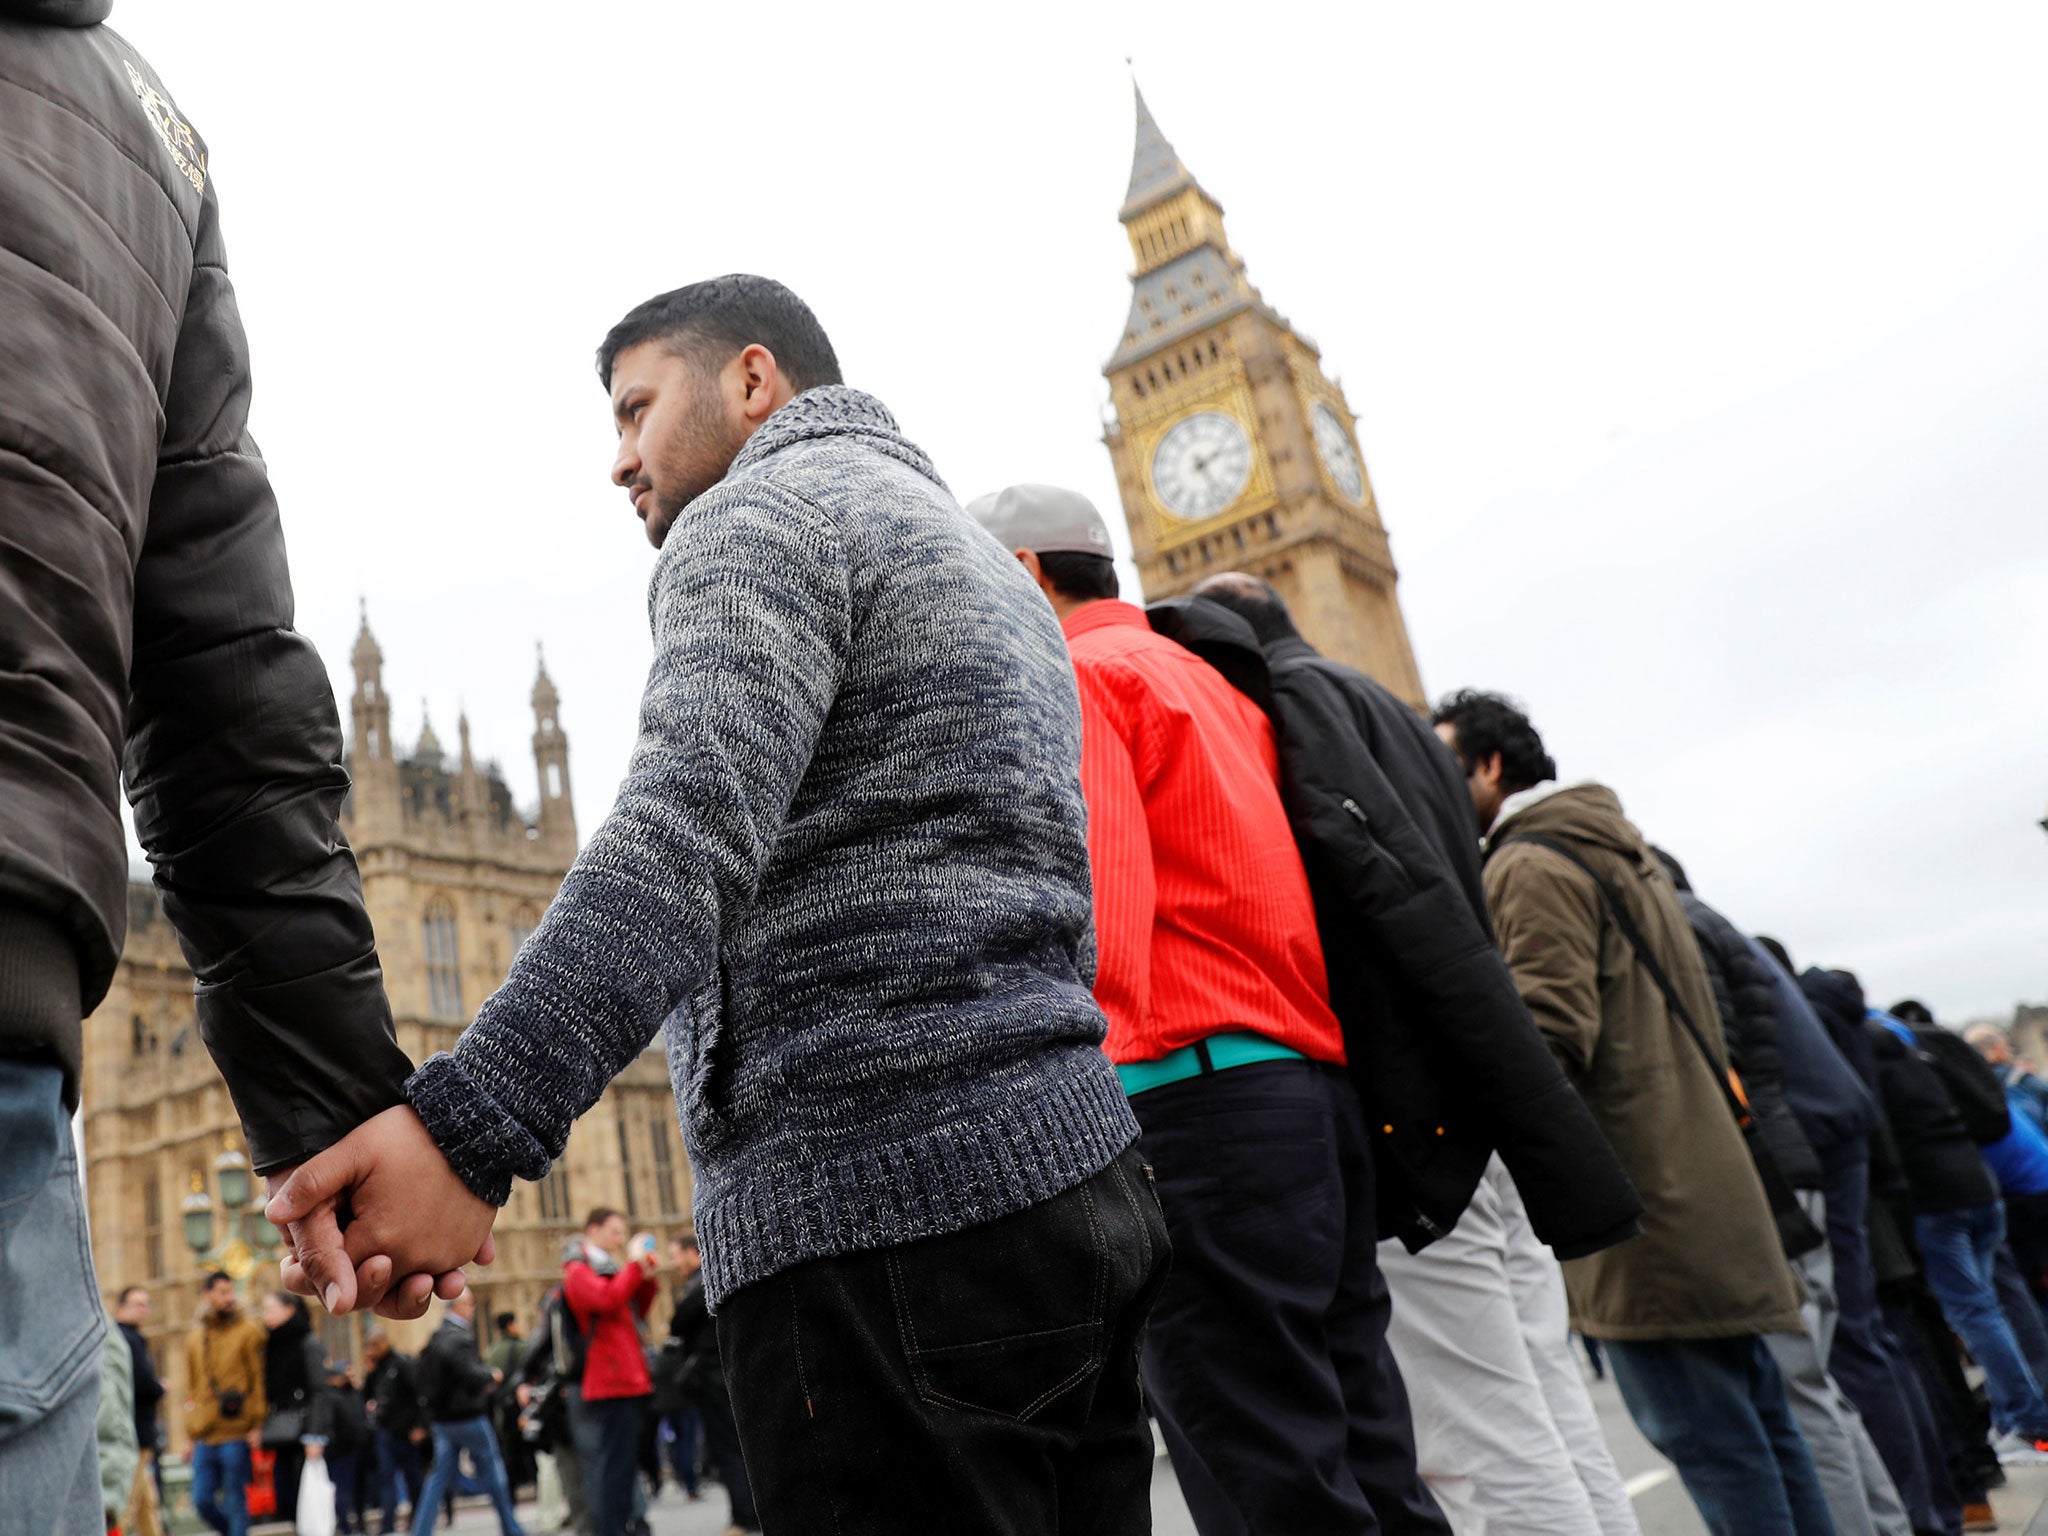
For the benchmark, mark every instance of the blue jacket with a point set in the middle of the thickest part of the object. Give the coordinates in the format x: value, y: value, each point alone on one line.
x: 1827, y: 1097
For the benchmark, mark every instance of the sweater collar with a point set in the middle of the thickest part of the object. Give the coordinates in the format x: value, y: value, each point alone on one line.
x: 1106, y: 613
x: 832, y: 410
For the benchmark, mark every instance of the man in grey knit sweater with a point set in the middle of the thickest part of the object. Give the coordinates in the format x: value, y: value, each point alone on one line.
x: 847, y: 879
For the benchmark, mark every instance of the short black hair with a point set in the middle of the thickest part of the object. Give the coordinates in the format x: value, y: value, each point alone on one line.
x: 1252, y: 599
x: 1911, y: 1010
x: 1486, y: 723
x: 685, y: 1242
x: 215, y: 1279
x: 724, y: 315
x: 503, y: 1320
x: 1077, y: 574
x: 1777, y: 952
x: 127, y: 1291
x: 1672, y: 868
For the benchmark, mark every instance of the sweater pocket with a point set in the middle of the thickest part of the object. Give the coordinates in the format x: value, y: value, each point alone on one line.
x: 695, y: 1047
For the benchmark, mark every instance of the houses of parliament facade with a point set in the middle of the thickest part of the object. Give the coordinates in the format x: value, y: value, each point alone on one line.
x: 455, y: 876
x: 1233, y: 450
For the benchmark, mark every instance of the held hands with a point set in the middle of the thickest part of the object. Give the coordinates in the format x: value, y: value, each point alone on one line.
x: 413, y: 1224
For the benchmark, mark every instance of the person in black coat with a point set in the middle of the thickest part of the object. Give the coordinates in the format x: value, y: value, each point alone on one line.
x: 1444, y: 1053
x: 1450, y: 1068
x: 1922, y: 1161
x: 340, y: 1418
x: 456, y: 1389
x: 294, y: 1377
x: 691, y: 1356
x: 391, y: 1398
x: 132, y: 1313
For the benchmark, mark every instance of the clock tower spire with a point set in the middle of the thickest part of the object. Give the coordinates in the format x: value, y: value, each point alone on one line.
x: 1233, y: 449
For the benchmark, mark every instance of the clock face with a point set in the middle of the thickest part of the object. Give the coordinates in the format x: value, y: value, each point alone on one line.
x: 1202, y: 465
x: 1339, y: 457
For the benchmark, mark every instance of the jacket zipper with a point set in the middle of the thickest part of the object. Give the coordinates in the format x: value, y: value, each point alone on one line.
x: 1352, y: 808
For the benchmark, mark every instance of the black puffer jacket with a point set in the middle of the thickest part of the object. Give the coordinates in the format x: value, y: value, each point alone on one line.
x: 1942, y: 1167
x: 1749, y: 1021
x: 1448, y: 1062
x: 146, y: 614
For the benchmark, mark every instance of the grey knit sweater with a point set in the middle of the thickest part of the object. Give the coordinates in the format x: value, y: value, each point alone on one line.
x: 846, y: 875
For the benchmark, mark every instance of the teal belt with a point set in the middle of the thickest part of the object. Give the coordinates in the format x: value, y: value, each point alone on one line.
x: 1218, y: 1053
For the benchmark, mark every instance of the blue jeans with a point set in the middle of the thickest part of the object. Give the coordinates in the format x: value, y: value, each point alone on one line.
x: 684, y: 1429
x: 51, y: 1322
x: 1960, y: 1252
x: 398, y: 1476
x: 475, y: 1437
x: 1717, y: 1409
x: 220, y: 1484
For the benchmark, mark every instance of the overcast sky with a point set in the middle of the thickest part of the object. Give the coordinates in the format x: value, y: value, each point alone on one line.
x: 1700, y: 360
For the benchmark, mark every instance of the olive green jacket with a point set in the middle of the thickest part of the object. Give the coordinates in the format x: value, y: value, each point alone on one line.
x: 1709, y: 1263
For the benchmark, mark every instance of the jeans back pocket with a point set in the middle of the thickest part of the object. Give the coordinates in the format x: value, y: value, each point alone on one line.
x: 1007, y: 1318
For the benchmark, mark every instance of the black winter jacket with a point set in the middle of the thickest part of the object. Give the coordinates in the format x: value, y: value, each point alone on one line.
x: 1446, y: 1059
x: 455, y: 1384
x: 1830, y: 1101
x: 146, y: 614
x: 1749, y: 1021
x: 391, y: 1393
x: 294, y: 1371
x: 1940, y: 1163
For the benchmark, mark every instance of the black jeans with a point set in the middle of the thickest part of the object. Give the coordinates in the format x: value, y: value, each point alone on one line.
x: 1267, y: 1360
x: 982, y: 1381
x: 1869, y: 1365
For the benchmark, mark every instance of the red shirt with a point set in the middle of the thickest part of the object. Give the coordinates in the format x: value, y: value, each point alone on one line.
x: 1203, y: 922
x: 608, y: 1309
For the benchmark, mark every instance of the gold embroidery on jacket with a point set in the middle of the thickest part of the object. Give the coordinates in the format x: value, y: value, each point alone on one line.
x: 177, y: 136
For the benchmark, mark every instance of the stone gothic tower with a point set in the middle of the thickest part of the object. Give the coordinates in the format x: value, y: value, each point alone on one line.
x: 1233, y: 449
x: 551, y: 761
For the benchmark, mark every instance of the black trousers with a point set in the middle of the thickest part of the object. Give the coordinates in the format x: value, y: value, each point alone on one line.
x: 983, y: 1381
x: 1267, y: 1359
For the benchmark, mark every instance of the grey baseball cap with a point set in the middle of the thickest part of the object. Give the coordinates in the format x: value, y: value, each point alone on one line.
x: 1044, y: 519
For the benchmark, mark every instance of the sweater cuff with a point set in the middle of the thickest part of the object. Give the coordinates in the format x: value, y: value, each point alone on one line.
x: 485, y: 1146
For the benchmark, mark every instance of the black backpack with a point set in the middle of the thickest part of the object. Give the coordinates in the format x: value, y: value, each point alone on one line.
x: 1972, y: 1086
x: 571, y: 1347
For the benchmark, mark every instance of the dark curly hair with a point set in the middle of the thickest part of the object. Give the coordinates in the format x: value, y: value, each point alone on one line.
x: 1486, y: 723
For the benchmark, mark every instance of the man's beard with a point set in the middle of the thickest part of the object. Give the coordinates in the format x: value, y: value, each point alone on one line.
x: 693, y: 461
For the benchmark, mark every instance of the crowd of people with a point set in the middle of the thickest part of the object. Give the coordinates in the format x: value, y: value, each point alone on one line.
x: 1080, y: 1013
x: 582, y: 1409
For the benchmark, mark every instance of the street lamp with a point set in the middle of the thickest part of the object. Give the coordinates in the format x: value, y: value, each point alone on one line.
x: 248, y: 1237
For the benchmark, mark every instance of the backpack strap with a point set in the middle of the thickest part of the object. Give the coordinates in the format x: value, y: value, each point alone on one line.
x: 1731, y: 1084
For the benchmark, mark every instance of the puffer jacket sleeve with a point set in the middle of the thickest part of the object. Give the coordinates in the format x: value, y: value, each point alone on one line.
x: 233, y: 764
x: 1749, y: 1016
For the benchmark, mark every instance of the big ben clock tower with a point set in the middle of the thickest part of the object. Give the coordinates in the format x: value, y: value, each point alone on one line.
x: 1233, y: 449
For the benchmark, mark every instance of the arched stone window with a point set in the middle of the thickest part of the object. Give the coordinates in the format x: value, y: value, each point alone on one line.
x: 444, y: 963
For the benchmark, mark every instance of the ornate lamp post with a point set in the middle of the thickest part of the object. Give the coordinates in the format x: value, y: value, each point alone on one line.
x: 247, y: 1238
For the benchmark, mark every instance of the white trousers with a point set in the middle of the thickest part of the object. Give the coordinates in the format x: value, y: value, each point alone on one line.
x: 1505, y: 1433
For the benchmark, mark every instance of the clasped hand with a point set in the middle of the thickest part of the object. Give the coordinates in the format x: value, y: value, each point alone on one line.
x: 412, y: 1224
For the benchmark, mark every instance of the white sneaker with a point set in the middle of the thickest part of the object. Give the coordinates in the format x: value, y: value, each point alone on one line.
x: 2015, y: 1450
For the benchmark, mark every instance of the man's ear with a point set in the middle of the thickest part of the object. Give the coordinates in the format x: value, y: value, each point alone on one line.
x: 763, y: 389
